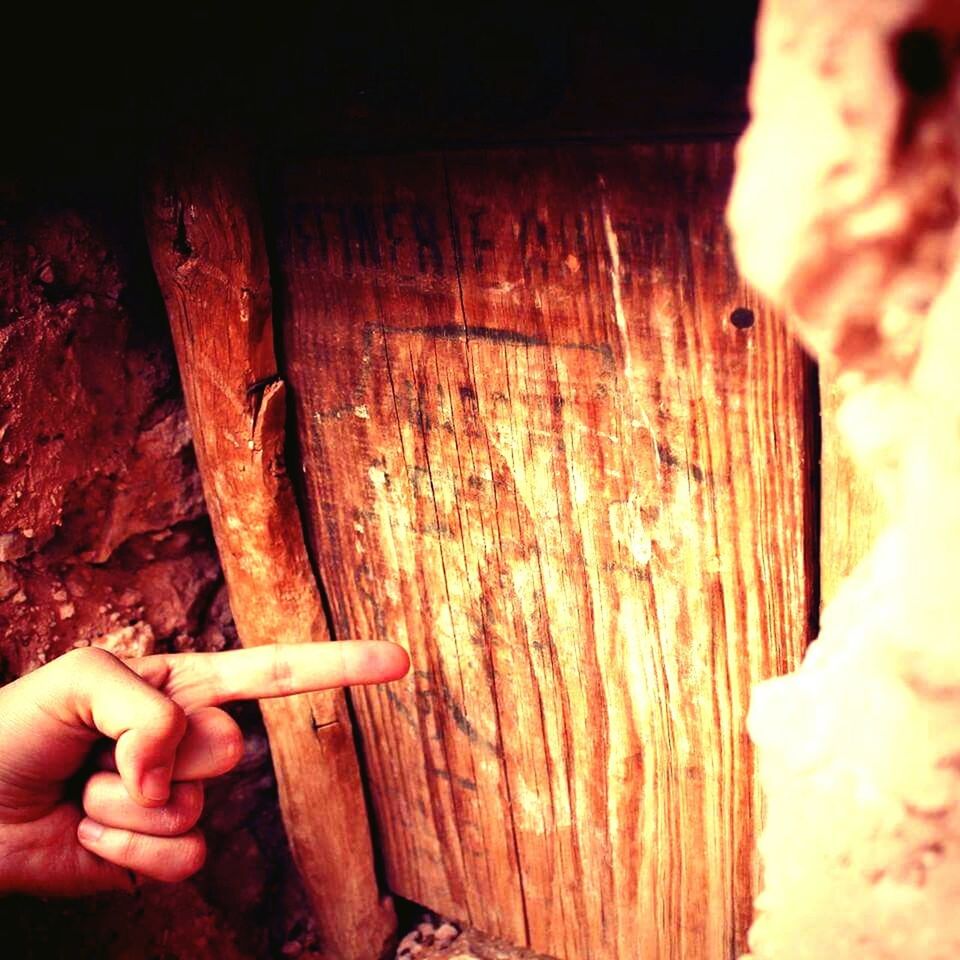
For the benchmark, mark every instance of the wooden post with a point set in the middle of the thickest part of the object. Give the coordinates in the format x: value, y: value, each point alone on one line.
x: 852, y: 511
x: 205, y: 238
x: 553, y: 445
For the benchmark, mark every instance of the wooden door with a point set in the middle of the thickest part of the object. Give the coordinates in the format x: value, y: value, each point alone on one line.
x: 538, y: 452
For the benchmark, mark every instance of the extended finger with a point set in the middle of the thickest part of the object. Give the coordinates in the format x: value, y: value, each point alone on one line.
x: 105, y: 800
x: 160, y: 858
x: 212, y: 745
x: 197, y: 680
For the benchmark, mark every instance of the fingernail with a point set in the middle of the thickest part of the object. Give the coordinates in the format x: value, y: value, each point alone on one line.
x: 155, y: 785
x: 90, y: 831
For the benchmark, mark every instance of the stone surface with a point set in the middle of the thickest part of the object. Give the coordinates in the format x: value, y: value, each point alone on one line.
x: 102, y: 525
x: 433, y: 938
x: 845, y: 211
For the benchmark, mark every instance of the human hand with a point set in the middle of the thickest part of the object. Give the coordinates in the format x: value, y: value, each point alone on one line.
x: 67, y: 828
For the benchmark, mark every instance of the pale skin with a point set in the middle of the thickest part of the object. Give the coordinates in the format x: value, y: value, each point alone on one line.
x: 102, y: 760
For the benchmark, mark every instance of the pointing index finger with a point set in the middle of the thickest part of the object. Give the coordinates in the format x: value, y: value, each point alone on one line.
x: 196, y: 680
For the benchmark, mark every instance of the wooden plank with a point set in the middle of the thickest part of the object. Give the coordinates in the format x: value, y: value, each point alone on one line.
x: 206, y: 241
x: 538, y: 453
x: 852, y: 512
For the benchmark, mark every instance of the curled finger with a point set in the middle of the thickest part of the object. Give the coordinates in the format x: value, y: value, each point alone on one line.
x: 170, y: 859
x: 211, y: 746
x: 106, y: 801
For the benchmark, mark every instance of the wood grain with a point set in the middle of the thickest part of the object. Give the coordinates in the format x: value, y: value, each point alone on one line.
x: 852, y: 511
x: 538, y: 454
x: 205, y: 234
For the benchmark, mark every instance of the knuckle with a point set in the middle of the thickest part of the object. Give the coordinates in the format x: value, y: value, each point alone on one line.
x: 86, y: 659
x: 95, y: 789
x: 281, y: 671
x: 192, y: 855
x: 187, y: 806
x: 171, y: 720
x: 223, y: 742
x: 129, y: 847
x: 231, y: 745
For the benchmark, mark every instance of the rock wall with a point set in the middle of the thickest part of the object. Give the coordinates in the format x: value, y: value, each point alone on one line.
x: 845, y: 212
x: 104, y: 541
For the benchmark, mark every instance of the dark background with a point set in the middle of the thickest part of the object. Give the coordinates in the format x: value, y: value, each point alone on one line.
x: 87, y: 95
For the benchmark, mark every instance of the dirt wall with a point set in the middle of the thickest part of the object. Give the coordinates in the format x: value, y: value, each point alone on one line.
x: 104, y: 541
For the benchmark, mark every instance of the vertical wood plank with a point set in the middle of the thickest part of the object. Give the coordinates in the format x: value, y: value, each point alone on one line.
x: 852, y: 512
x: 538, y: 453
x: 204, y: 228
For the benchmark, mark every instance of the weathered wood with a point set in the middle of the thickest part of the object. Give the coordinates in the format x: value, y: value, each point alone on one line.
x: 852, y: 511
x: 539, y: 454
x: 206, y: 242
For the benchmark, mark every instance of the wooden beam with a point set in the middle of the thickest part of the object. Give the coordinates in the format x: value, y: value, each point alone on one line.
x: 852, y: 511
x: 205, y: 236
x: 542, y: 451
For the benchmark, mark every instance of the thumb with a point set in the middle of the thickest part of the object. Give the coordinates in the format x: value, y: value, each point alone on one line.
x: 62, y: 708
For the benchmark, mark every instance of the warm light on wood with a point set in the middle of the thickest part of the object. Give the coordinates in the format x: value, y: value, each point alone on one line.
x: 538, y: 453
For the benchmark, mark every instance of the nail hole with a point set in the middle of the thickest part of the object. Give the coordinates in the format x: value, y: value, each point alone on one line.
x: 921, y: 62
x: 742, y: 318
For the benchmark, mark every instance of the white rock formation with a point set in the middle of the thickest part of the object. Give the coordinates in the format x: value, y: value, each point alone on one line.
x: 845, y: 212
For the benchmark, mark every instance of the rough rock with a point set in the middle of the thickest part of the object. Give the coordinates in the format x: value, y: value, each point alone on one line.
x: 845, y: 212
x: 434, y: 938
x: 101, y: 512
x: 104, y: 541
